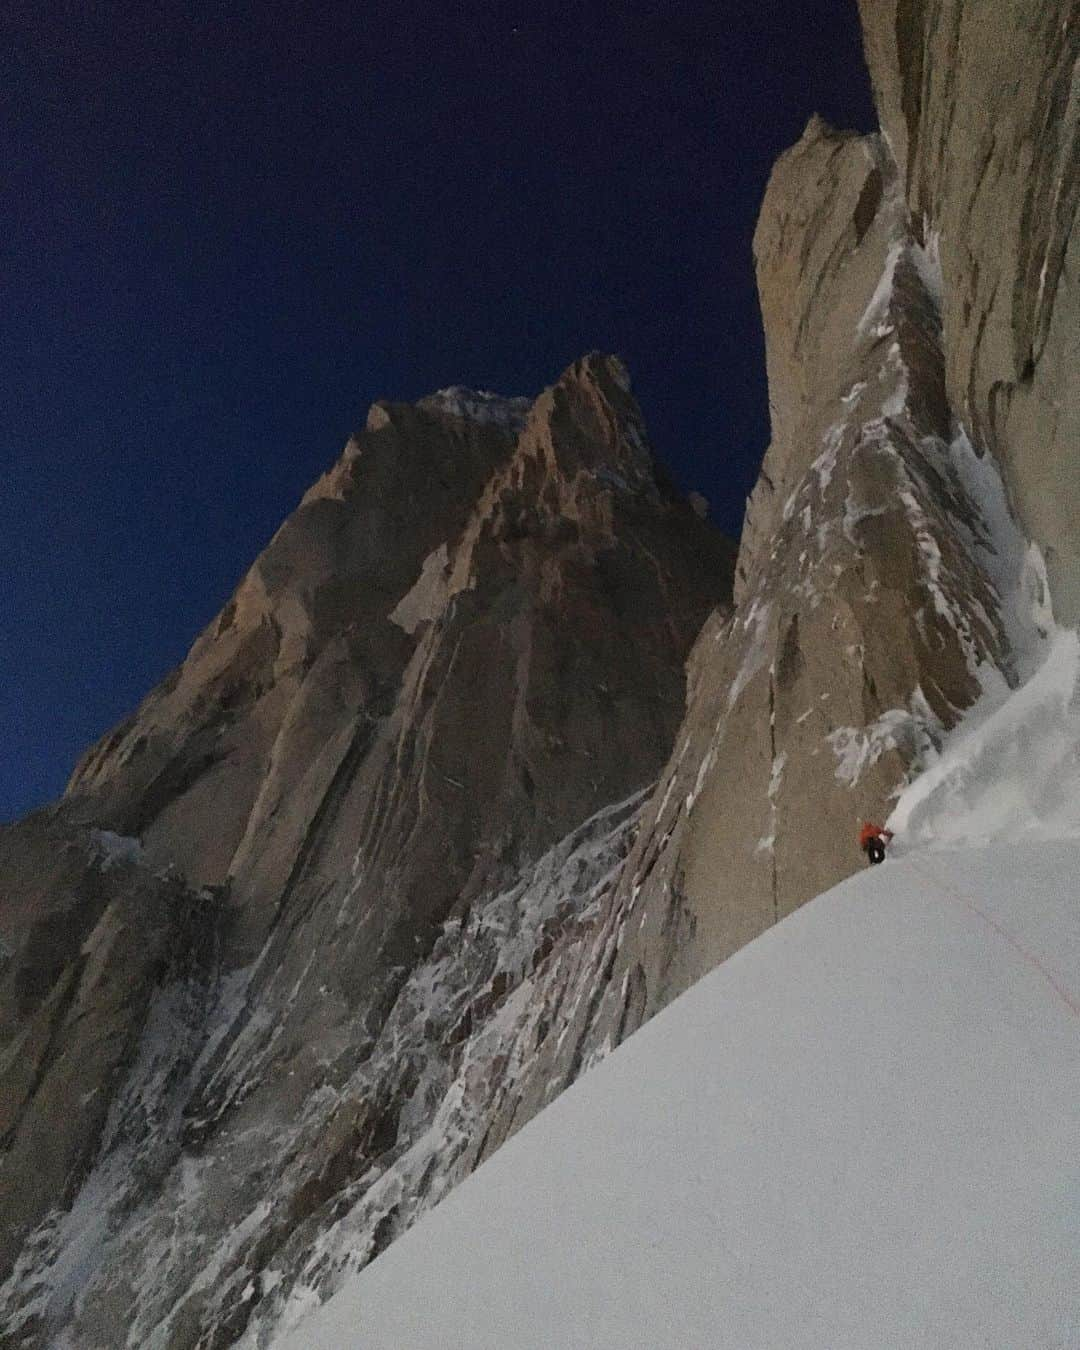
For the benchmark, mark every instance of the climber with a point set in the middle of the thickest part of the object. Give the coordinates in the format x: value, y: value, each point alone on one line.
x: 872, y: 841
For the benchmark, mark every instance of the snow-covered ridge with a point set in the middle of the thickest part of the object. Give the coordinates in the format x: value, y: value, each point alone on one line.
x: 479, y: 405
x: 861, y: 1130
x: 1010, y: 770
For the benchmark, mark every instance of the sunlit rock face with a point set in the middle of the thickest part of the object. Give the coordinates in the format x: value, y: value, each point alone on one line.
x: 254, y: 727
x: 468, y: 640
x: 864, y: 603
x: 497, y: 747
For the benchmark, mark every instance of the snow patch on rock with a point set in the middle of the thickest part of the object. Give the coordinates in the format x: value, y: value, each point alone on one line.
x: 757, y: 623
x: 116, y: 849
x: 1010, y: 769
x: 873, y: 320
x: 483, y: 974
x: 859, y: 748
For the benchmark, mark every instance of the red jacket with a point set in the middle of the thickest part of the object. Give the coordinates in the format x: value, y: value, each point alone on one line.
x: 871, y: 831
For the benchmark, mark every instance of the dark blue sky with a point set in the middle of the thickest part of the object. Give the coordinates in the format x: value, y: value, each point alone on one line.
x: 229, y: 228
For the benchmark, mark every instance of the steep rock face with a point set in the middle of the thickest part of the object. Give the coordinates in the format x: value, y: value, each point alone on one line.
x: 363, y: 756
x: 981, y: 105
x: 865, y: 599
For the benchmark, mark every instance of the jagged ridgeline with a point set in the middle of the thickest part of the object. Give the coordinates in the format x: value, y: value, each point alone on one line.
x: 495, y: 750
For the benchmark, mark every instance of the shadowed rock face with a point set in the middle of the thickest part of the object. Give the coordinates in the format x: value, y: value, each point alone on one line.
x: 467, y: 640
x: 89, y: 936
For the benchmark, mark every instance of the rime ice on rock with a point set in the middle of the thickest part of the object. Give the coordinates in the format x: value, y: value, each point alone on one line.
x: 479, y: 405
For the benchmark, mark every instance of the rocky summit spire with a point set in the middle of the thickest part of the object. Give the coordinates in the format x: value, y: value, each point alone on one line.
x: 467, y: 640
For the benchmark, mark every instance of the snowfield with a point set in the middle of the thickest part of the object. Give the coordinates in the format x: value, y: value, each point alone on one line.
x: 861, y: 1130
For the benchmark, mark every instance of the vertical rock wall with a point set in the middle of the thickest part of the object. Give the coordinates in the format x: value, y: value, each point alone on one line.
x: 980, y: 103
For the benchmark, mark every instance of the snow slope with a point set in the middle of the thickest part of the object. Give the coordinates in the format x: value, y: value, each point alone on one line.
x: 1010, y: 769
x: 861, y: 1130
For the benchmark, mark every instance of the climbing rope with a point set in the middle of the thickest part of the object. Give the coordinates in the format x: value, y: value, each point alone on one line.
x: 1053, y: 980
